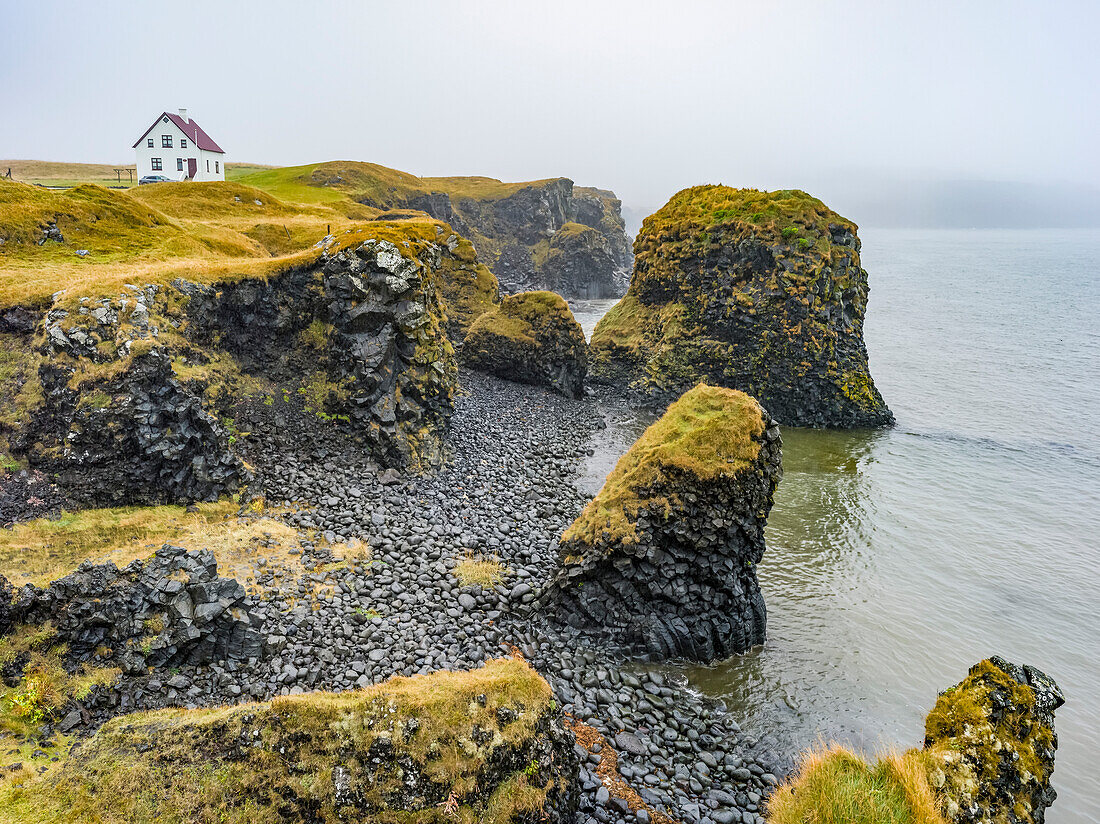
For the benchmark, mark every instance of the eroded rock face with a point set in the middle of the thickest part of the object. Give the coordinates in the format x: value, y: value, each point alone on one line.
x: 169, y: 610
x: 531, y: 338
x: 138, y: 390
x: 663, y: 560
x: 756, y: 291
x: 518, y: 236
x: 483, y: 745
x: 992, y: 743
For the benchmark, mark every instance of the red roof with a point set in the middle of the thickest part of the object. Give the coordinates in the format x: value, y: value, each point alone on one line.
x: 190, y: 128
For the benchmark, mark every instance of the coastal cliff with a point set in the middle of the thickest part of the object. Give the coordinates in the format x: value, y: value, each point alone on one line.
x: 514, y: 226
x: 758, y: 291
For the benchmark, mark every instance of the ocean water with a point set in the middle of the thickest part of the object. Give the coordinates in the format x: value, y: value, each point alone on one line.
x: 898, y: 558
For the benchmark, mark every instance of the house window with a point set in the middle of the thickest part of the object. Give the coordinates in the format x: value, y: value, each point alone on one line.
x: 166, y: 141
x: 179, y: 164
x: 156, y: 164
x: 183, y: 142
x: 215, y: 167
x: 208, y: 165
x: 149, y: 143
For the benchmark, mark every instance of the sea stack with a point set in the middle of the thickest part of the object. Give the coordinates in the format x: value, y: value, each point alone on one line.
x: 757, y: 291
x: 663, y: 560
x: 530, y: 338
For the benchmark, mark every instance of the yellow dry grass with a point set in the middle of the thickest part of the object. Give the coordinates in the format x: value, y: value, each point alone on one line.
x: 709, y: 432
x: 477, y: 570
x: 833, y: 785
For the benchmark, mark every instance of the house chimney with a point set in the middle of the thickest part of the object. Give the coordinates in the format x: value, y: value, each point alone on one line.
x: 183, y: 115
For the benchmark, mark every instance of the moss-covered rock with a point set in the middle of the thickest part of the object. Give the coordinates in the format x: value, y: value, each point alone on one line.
x: 992, y: 743
x: 663, y: 559
x: 124, y: 397
x: 988, y: 758
x: 532, y: 338
x: 481, y: 746
x: 758, y: 291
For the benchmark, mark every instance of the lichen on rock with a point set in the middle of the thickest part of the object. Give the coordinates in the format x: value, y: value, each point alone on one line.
x: 531, y: 338
x: 758, y: 291
x: 482, y: 745
x: 992, y: 743
x: 662, y: 561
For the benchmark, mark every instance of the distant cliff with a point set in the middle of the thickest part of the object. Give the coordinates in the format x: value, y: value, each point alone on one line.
x: 543, y: 234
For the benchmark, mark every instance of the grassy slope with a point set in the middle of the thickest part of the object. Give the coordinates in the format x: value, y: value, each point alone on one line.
x: 710, y: 432
x: 196, y: 771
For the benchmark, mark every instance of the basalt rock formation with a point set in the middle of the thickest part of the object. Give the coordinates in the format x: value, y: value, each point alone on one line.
x: 130, y: 399
x: 482, y: 745
x: 662, y: 561
x: 514, y: 226
x: 531, y: 338
x: 169, y: 610
x: 992, y: 742
x: 757, y: 291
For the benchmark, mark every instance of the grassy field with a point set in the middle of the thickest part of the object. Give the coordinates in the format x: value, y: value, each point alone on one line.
x: 68, y: 175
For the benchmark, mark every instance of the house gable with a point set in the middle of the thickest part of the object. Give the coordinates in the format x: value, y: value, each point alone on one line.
x: 190, y: 130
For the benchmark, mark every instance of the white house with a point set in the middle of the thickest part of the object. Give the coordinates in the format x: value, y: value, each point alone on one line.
x: 179, y: 149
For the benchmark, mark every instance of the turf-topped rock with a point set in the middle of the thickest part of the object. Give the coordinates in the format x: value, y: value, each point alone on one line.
x: 758, y: 291
x: 663, y: 560
x: 483, y: 745
x: 992, y: 743
x: 531, y: 338
x: 131, y: 398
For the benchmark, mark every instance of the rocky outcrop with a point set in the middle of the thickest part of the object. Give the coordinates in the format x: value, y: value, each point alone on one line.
x: 481, y: 745
x: 758, y: 291
x: 531, y: 338
x: 513, y: 225
x: 992, y: 743
x: 580, y: 262
x: 663, y: 560
x: 137, y: 391
x: 169, y: 610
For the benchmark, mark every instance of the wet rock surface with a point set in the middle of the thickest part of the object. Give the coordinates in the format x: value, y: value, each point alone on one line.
x: 992, y: 742
x: 505, y: 495
x: 663, y: 561
x: 531, y: 338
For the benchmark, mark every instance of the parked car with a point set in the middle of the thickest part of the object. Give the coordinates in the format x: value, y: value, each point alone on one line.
x: 153, y: 179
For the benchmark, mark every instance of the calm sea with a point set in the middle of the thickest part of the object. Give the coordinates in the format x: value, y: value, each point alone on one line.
x: 898, y: 558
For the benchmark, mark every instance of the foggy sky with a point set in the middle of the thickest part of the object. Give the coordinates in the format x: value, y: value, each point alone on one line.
x: 643, y: 98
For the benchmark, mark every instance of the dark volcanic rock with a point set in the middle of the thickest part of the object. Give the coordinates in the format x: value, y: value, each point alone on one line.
x: 757, y: 291
x: 992, y: 742
x: 169, y: 610
x: 662, y: 561
x: 137, y: 435
x: 531, y: 338
x: 580, y: 262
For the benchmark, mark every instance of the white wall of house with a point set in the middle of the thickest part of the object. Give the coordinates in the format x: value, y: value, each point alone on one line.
x: 211, y: 165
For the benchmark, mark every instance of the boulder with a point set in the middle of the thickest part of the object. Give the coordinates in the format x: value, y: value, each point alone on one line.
x: 992, y: 742
x: 169, y: 610
x: 663, y: 560
x: 757, y: 291
x: 531, y: 338
x: 484, y: 745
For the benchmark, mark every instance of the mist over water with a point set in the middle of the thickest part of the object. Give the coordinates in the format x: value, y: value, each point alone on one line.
x: 898, y: 558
